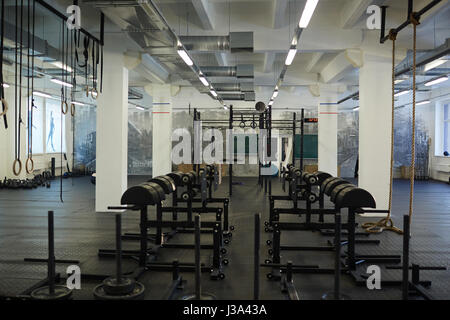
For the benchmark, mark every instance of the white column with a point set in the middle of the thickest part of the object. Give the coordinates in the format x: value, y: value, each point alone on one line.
x: 375, y: 89
x: 327, y: 128
x: 162, y: 130
x: 112, y: 129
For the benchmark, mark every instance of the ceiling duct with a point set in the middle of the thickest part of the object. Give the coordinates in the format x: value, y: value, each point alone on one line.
x: 422, y: 59
x: 234, y: 42
x: 239, y: 71
x: 240, y: 87
x: 245, y: 96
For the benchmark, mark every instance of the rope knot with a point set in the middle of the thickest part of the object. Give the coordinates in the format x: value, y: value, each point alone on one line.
x: 392, y: 35
x: 414, y: 18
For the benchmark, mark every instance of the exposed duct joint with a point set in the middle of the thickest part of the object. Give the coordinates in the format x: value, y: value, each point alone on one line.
x: 422, y: 59
x: 245, y: 96
x: 234, y: 42
x: 239, y: 71
x: 240, y: 87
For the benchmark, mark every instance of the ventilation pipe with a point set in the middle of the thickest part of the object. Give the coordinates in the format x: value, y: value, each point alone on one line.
x: 235, y: 42
x: 245, y: 96
x: 240, y: 87
x: 239, y: 71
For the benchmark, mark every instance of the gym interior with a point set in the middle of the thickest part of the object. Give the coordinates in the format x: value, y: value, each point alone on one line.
x: 253, y: 150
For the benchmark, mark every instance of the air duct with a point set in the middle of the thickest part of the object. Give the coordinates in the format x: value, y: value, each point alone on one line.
x: 234, y: 42
x: 241, y: 87
x: 245, y: 96
x: 239, y: 71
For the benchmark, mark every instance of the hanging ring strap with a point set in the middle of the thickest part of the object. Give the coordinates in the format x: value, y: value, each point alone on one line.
x: 387, y: 223
x: 72, y: 109
x: 242, y: 124
x: 27, y: 165
x: 94, y: 93
x: 5, y: 107
x: 64, y: 106
x: 415, y: 21
x: 17, y: 172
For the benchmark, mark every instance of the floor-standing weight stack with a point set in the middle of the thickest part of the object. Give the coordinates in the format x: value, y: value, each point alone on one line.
x: 119, y: 287
x: 51, y: 291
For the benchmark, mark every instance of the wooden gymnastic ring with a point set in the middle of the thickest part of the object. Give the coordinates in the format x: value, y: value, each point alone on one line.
x: 94, y: 93
x: 29, y: 160
x: 242, y: 125
x: 72, y: 109
x: 66, y: 109
x: 87, y: 91
x: 16, y: 173
x: 5, y: 104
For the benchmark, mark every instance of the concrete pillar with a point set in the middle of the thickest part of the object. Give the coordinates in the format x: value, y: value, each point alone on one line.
x: 112, y: 129
x: 375, y: 90
x: 162, y: 130
x: 327, y: 129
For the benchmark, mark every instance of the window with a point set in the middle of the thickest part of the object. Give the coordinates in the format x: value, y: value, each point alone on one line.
x: 446, y: 138
x: 47, y: 126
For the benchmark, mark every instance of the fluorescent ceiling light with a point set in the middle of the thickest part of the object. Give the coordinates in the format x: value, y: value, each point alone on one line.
x: 275, y: 94
x: 423, y: 102
x: 434, y: 64
x: 5, y: 85
x: 213, y: 93
x: 42, y: 94
x: 271, y: 102
x: 399, y: 81
x: 436, y: 81
x: 401, y: 93
x: 308, y: 12
x: 140, y: 108
x: 62, y: 66
x: 183, y: 54
x: 204, y: 81
x: 66, y: 84
x: 290, y: 57
x: 78, y: 103
x: 356, y: 109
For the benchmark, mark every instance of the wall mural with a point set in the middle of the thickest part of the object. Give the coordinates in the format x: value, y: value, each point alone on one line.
x: 85, y: 139
x: 139, y: 142
x: 348, y: 140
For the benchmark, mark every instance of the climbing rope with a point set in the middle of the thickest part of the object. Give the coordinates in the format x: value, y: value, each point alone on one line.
x: 387, y: 223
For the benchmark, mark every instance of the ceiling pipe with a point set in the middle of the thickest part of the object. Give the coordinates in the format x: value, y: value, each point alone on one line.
x: 239, y: 86
x: 239, y: 71
x: 245, y: 96
x: 234, y: 42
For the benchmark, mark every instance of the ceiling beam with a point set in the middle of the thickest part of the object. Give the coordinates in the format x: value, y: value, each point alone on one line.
x: 314, y: 60
x: 279, y: 11
x: 269, y: 59
x: 204, y: 12
x: 221, y: 58
x: 352, y: 11
x: 341, y: 65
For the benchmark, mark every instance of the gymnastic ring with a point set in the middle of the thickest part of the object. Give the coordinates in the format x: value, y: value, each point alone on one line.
x: 5, y: 104
x: 72, y: 109
x: 16, y: 173
x: 29, y: 160
x: 94, y: 93
x: 242, y: 125
x: 64, y: 110
x: 253, y: 125
x: 87, y: 91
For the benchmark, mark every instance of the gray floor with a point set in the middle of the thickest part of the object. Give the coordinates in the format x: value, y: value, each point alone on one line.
x: 80, y: 232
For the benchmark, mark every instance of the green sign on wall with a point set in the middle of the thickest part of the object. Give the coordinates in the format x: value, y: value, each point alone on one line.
x: 310, y: 146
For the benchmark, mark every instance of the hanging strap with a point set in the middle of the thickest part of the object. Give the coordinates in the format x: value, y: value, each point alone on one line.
x: 18, y: 95
x: 29, y: 164
x: 2, y: 89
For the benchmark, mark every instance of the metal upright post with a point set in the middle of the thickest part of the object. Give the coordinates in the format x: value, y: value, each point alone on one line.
x: 337, y: 257
x: 405, y: 259
x: 51, y: 254
x: 118, y: 249
x: 302, y: 136
x: 294, y: 128
x: 256, y: 257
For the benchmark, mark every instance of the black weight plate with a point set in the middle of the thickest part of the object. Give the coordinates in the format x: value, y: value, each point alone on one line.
x: 339, y: 189
x: 43, y: 293
x: 111, y: 287
x: 176, y: 177
x: 136, y: 294
x: 333, y: 184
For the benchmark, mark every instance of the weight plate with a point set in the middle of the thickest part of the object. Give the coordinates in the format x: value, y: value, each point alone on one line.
x: 111, y: 287
x: 136, y: 294
x: 43, y: 293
